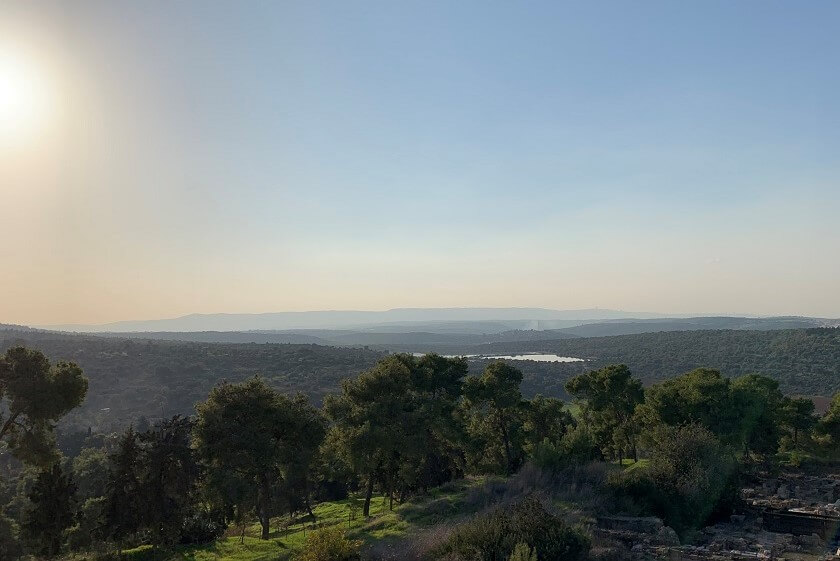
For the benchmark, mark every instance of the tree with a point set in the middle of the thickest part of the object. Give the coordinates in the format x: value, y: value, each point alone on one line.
x: 495, y: 410
x: 546, y: 419
x: 301, y: 454
x: 90, y: 471
x: 123, y: 491
x: 829, y: 424
x: 798, y: 417
x: 250, y: 437
x: 169, y: 473
x: 433, y: 451
x: 608, y: 399
x: 701, y: 396
x: 33, y: 395
x: 10, y: 547
x: 370, y: 420
x: 690, y: 477
x: 758, y: 405
x: 52, y: 511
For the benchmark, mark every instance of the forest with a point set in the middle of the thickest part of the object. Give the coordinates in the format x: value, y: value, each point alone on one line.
x: 251, y: 462
x: 131, y: 379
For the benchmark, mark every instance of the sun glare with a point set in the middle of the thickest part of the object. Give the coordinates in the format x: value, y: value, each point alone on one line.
x: 24, y: 99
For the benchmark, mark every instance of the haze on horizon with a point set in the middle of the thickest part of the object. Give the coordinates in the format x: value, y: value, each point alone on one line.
x: 160, y: 159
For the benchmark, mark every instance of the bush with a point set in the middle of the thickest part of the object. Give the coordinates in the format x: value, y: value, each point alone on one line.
x: 89, y: 526
x: 690, y: 478
x: 523, y: 553
x: 200, y: 528
x: 10, y: 547
x: 577, y: 446
x: 330, y: 544
x: 495, y: 535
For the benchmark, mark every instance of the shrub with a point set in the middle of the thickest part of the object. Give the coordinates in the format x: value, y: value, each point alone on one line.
x: 200, y: 527
x: 330, y: 544
x: 690, y: 478
x: 577, y: 446
x: 10, y: 547
x: 89, y: 526
x: 495, y: 535
x: 523, y: 553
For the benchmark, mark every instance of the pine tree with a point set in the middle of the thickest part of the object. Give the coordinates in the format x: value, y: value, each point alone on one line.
x: 51, y: 512
x: 169, y: 475
x: 122, y: 515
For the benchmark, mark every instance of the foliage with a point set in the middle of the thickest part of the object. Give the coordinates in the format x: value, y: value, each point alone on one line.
x: 797, y: 417
x: 690, y: 476
x: 546, y: 420
x: 10, y: 547
x: 608, y: 398
x: 168, y: 476
x: 200, y: 527
x: 522, y: 552
x: 494, y: 535
x: 53, y: 504
x: 90, y: 471
x: 249, y: 436
x: 123, y: 488
x: 495, y: 412
x: 395, y: 423
x: 89, y: 528
x: 330, y: 544
x: 130, y: 379
x: 803, y: 361
x: 33, y: 395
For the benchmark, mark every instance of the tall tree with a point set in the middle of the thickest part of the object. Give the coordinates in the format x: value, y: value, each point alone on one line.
x: 250, y: 437
x: 546, y: 419
x: 608, y: 398
x: 52, y: 511
x: 798, y: 417
x: 33, y: 395
x: 758, y: 403
x: 702, y: 396
x: 169, y: 474
x: 123, y: 491
x: 370, y: 420
x: 495, y: 410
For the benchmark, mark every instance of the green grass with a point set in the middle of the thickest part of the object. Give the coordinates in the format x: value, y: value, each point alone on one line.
x: 629, y: 464
x: 288, y: 535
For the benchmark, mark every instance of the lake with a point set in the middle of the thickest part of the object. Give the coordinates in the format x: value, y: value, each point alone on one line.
x: 537, y: 357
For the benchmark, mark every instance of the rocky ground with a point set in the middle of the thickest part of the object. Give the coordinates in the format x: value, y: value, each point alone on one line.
x: 744, y: 536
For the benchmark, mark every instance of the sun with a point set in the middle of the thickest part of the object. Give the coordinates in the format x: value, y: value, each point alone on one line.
x: 24, y: 99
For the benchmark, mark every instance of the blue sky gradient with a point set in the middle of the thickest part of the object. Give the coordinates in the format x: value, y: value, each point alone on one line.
x: 246, y: 157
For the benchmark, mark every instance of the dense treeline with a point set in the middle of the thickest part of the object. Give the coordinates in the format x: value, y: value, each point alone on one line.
x: 130, y: 379
x: 803, y: 361
x: 251, y: 452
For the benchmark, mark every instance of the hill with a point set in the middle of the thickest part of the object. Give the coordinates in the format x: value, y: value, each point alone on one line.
x: 130, y: 378
x: 804, y: 361
x: 534, y: 318
x: 152, y: 378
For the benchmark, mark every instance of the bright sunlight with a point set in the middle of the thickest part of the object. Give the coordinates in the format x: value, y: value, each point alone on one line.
x: 25, y: 98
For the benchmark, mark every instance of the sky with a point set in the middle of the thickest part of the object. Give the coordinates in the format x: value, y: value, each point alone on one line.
x: 166, y: 158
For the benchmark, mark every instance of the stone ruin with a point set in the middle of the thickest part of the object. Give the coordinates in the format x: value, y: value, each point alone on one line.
x: 813, y: 500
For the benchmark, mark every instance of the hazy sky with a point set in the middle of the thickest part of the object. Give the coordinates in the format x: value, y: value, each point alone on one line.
x: 180, y: 157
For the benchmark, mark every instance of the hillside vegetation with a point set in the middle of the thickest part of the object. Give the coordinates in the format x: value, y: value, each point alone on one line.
x: 130, y: 379
x: 133, y: 378
x: 803, y: 361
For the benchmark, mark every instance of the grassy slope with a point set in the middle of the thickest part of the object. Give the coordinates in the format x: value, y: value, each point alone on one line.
x: 441, y: 504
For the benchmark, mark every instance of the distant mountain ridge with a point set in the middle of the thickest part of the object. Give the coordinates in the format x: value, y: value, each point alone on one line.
x: 532, y: 318
x: 456, y: 335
